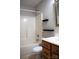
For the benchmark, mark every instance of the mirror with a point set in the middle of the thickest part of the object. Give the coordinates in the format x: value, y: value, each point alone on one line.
x: 57, y: 12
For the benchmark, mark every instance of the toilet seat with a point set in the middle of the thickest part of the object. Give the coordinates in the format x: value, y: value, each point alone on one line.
x: 37, y: 49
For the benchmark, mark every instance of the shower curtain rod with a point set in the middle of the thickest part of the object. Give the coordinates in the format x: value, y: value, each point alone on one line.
x: 29, y: 10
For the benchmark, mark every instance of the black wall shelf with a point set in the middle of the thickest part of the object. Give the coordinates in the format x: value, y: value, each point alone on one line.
x: 45, y: 20
x: 48, y: 29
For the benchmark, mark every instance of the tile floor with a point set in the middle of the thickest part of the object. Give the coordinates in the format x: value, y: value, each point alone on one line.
x: 33, y: 56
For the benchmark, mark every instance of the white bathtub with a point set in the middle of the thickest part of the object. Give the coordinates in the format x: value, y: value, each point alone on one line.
x: 26, y: 51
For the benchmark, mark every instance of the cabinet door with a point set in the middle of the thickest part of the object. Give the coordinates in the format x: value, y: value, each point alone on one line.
x: 46, y: 53
x: 46, y: 45
x: 55, y: 52
x: 43, y: 57
x: 54, y: 56
x: 55, y: 49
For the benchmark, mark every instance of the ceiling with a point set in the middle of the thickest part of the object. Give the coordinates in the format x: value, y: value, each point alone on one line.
x: 30, y: 3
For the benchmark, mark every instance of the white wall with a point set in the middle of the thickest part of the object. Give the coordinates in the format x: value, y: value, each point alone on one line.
x: 39, y: 18
x: 27, y: 7
x: 56, y: 32
x: 46, y: 7
x: 27, y: 28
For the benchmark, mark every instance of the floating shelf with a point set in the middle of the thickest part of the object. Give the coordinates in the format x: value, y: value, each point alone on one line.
x: 48, y: 29
x: 45, y: 20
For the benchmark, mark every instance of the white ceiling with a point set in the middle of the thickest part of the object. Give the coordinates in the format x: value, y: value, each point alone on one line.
x: 29, y: 3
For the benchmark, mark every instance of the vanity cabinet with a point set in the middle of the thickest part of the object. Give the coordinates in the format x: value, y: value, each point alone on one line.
x: 50, y: 51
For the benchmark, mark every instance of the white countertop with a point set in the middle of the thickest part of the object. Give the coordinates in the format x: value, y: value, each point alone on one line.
x: 53, y: 40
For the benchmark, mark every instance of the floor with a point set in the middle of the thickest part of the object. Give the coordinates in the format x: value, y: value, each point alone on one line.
x: 33, y: 56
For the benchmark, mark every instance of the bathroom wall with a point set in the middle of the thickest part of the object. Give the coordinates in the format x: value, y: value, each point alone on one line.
x: 26, y: 7
x: 47, y: 8
x: 39, y: 18
x: 27, y: 28
x: 56, y: 31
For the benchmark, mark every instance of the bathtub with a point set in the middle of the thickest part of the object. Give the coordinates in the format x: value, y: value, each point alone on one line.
x: 26, y: 51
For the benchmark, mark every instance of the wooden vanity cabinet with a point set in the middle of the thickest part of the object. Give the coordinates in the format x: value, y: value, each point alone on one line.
x: 50, y: 51
x: 55, y: 51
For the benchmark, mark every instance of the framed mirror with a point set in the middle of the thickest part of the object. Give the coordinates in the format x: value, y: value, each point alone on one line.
x: 57, y: 12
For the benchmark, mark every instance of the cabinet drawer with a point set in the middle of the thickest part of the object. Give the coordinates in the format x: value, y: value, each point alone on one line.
x: 46, y: 53
x: 55, y: 49
x: 46, y: 44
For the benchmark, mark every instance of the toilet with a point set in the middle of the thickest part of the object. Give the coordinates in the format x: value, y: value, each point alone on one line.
x: 37, y: 50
